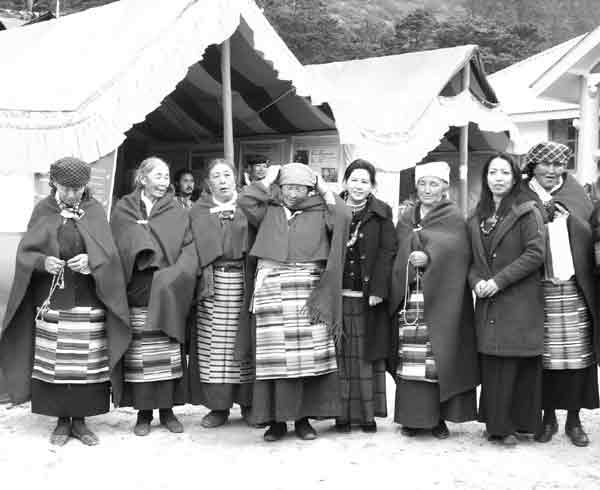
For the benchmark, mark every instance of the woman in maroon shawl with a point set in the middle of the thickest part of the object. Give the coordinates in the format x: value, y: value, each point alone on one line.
x: 159, y: 260
x: 217, y: 378
x: 66, y: 325
x: 437, y: 369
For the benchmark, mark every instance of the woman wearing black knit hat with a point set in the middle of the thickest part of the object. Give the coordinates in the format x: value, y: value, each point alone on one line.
x: 570, y: 379
x: 66, y: 324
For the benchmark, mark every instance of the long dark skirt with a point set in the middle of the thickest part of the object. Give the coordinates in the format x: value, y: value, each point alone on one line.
x: 362, y: 383
x: 511, y: 394
x: 570, y: 389
x: 69, y: 400
x: 157, y: 394
x: 222, y: 396
x: 282, y: 400
x: 418, y: 405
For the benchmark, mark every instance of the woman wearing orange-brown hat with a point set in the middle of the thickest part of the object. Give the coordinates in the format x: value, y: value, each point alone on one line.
x: 66, y: 325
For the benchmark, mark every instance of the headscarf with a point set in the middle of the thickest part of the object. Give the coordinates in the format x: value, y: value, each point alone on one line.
x: 441, y: 170
x: 298, y: 174
x: 549, y: 152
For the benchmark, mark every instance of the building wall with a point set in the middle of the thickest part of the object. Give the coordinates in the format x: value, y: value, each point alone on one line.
x: 533, y: 132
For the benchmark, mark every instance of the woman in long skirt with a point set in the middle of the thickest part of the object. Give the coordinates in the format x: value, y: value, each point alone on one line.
x: 66, y: 325
x: 159, y: 259
x: 571, y: 340
x: 365, y: 343
x: 437, y: 368
x: 297, y: 304
x: 217, y: 378
x: 508, y: 242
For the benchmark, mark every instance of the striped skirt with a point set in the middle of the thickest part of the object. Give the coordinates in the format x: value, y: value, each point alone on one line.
x: 152, y: 355
x: 567, y: 327
x: 287, y: 344
x: 217, y: 326
x: 415, y: 355
x: 71, y: 347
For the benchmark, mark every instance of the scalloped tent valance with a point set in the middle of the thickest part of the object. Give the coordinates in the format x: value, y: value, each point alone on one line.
x: 75, y: 85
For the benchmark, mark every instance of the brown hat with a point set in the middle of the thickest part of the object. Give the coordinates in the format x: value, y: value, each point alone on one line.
x: 70, y: 172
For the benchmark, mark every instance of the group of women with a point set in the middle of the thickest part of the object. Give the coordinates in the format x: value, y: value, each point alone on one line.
x: 293, y: 302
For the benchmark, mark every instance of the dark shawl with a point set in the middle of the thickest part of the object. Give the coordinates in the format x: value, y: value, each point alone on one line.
x: 165, y: 239
x: 40, y: 240
x: 448, y: 301
x: 325, y: 302
x: 573, y: 197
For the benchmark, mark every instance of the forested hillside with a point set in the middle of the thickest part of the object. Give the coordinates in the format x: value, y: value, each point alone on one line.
x: 320, y: 31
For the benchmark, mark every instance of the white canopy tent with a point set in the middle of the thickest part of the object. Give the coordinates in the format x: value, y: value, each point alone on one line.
x: 75, y: 85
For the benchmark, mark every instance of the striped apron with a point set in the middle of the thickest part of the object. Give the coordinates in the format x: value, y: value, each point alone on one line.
x: 415, y: 355
x: 217, y: 323
x: 71, y: 347
x: 287, y: 344
x: 567, y: 327
x: 152, y: 355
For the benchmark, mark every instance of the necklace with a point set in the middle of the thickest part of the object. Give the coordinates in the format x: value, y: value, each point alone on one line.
x: 487, y: 225
x: 357, y: 208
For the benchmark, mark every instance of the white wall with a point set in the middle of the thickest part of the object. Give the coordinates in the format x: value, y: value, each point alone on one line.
x: 532, y: 133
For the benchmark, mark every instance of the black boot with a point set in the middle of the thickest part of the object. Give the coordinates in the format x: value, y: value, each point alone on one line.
x: 549, y: 427
x: 574, y: 430
x: 142, y: 425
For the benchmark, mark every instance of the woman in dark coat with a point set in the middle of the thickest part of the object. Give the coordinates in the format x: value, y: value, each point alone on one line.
x: 217, y: 378
x: 365, y: 343
x: 155, y: 242
x: 297, y: 303
x: 437, y: 370
x: 66, y: 325
x: 571, y: 340
x: 508, y: 242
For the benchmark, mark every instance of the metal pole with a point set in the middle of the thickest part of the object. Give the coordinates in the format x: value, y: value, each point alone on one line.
x: 58, y: 9
x: 226, y: 101
x: 463, y: 169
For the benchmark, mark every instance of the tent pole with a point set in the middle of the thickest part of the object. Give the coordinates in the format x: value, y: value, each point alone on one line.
x: 57, y: 9
x: 226, y: 102
x: 463, y: 169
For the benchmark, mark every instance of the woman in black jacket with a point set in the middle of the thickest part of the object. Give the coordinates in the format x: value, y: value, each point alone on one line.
x: 508, y: 242
x: 365, y: 344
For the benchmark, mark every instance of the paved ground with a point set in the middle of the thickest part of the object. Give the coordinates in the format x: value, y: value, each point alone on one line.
x: 235, y: 456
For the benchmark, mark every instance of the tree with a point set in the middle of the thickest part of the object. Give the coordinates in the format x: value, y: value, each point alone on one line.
x: 415, y: 31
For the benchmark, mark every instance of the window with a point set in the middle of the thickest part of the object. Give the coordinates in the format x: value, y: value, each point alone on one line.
x: 562, y: 131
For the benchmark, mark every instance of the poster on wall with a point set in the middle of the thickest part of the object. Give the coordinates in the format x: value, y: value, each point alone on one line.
x: 253, y: 151
x: 322, y: 154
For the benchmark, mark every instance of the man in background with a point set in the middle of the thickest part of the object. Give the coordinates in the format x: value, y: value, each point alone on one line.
x: 185, y: 187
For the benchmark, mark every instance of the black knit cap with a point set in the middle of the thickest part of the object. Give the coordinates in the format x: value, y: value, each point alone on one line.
x: 70, y: 172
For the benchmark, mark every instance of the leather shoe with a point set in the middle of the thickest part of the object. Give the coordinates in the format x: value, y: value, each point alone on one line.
x: 215, y: 418
x: 62, y: 432
x: 342, y: 427
x: 171, y: 422
x: 548, y: 430
x: 577, y: 435
x: 440, y: 431
x: 142, y: 425
x: 369, y: 427
x: 509, y: 440
x: 81, y: 431
x: 275, y: 432
x: 409, y: 431
x: 304, y: 430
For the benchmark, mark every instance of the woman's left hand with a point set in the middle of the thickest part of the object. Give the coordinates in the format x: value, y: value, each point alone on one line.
x: 374, y: 300
x: 79, y: 263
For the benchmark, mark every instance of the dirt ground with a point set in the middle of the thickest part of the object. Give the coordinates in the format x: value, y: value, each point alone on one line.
x: 235, y: 456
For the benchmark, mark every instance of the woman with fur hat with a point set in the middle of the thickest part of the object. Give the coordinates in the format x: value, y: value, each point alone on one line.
x: 571, y: 342
x: 66, y: 326
x: 436, y: 369
x: 302, y: 229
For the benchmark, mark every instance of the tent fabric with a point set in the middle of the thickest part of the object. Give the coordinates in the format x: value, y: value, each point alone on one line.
x: 78, y: 83
x: 416, y: 116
